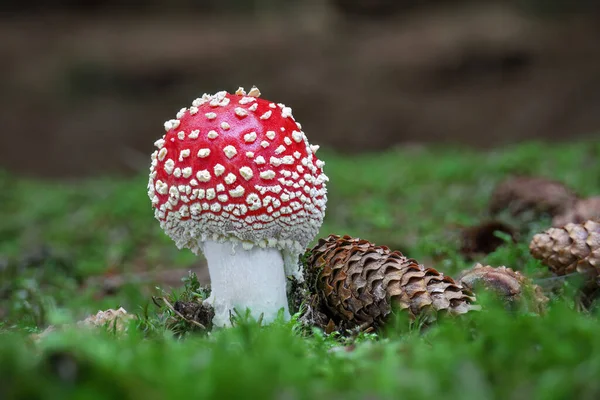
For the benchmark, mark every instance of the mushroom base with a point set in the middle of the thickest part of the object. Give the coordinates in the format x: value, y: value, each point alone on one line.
x: 245, y: 279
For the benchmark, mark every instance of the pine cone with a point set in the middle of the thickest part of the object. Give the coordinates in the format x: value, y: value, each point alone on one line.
x: 514, y: 287
x: 482, y: 239
x: 583, y: 210
x: 360, y: 283
x: 520, y: 194
x: 575, y: 247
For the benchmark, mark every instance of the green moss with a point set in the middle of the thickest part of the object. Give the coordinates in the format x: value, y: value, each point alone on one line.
x: 53, y: 236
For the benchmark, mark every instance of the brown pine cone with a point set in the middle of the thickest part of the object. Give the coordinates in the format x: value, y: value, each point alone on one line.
x: 575, y: 247
x: 583, y: 210
x: 360, y: 283
x: 513, y: 286
x: 520, y: 194
x: 481, y: 239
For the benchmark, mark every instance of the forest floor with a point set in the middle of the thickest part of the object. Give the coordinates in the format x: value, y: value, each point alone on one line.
x: 68, y: 250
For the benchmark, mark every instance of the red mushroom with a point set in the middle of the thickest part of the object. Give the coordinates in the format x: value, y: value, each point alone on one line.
x: 235, y: 178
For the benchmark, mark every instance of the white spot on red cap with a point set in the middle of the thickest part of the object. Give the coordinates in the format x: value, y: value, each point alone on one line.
x: 184, y: 154
x: 264, y: 144
x: 212, y: 134
x: 253, y: 201
x: 183, y: 210
x: 225, y: 126
x: 270, y: 135
x: 268, y: 174
x: 250, y: 137
x: 266, y: 115
x: 237, y: 192
x: 219, y: 169
x: 240, y: 112
x: 246, y: 100
x: 230, y: 178
x: 203, y: 153
x: 194, y: 134
x: 286, y: 112
x: 161, y: 187
x: 274, y: 161
x: 162, y: 153
x: 210, y: 194
x: 253, y: 107
x: 203, y: 175
x: 230, y: 151
x: 280, y: 149
x: 169, y: 166
x: 172, y: 124
x: 211, y: 115
x: 260, y: 160
x: 246, y: 173
x: 254, y: 92
x: 187, y: 172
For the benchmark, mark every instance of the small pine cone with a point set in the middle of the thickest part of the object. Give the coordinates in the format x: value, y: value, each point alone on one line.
x: 360, y: 283
x: 575, y: 247
x: 583, y: 210
x: 482, y: 239
x: 114, y: 319
x: 514, y: 287
x: 521, y: 194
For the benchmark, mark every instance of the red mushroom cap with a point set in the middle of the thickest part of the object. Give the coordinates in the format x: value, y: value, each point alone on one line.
x: 237, y: 167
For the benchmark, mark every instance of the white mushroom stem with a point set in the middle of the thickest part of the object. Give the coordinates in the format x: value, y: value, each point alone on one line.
x: 245, y: 279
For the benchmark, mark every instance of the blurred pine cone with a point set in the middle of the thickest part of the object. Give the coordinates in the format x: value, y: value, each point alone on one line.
x: 582, y: 210
x: 575, y: 247
x: 521, y: 194
x: 482, y: 239
x: 514, y: 287
x: 360, y: 283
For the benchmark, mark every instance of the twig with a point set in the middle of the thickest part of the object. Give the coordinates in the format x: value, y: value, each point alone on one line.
x: 554, y: 281
x: 170, y: 306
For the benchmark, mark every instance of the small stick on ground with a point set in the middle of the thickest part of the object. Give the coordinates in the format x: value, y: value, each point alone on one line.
x: 170, y: 307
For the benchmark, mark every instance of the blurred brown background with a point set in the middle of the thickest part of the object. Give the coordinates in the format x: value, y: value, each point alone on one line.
x: 86, y: 86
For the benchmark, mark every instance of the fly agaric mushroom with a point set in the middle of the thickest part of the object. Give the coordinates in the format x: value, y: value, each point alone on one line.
x: 235, y: 178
